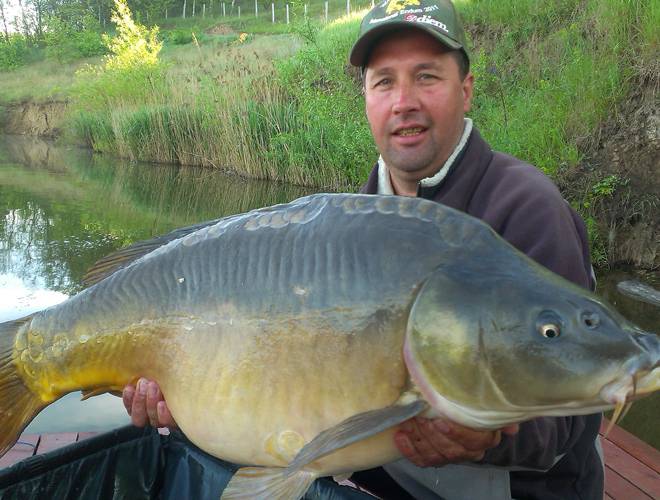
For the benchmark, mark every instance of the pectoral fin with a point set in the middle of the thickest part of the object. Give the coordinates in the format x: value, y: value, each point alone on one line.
x: 353, y: 429
x: 90, y: 393
x: 266, y: 483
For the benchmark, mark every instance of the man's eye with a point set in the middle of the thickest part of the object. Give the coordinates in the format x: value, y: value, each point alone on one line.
x: 383, y: 82
x: 427, y: 76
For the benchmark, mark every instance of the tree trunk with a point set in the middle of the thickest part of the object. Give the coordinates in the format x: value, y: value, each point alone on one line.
x: 38, y: 7
x: 26, y: 29
x: 4, y: 20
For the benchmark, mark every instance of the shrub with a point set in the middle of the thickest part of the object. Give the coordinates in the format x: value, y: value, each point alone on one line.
x: 131, y: 73
x: 178, y: 36
x: 134, y: 46
x: 329, y: 106
x: 13, y: 53
x: 68, y: 40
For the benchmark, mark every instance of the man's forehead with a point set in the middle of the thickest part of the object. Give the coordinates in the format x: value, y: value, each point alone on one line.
x: 390, y: 40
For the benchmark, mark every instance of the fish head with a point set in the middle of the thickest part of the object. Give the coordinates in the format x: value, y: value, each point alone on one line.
x: 497, y: 348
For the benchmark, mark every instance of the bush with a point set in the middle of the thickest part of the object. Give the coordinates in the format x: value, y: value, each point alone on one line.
x: 131, y: 72
x: 178, y: 37
x: 134, y: 46
x: 13, y: 53
x: 67, y: 41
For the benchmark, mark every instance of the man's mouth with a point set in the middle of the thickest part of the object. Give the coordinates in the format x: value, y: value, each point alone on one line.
x: 406, y: 132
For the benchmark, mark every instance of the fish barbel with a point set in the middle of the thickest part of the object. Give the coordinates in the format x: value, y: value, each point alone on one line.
x: 296, y: 338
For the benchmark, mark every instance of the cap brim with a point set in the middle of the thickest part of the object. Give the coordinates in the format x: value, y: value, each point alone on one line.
x: 362, y: 47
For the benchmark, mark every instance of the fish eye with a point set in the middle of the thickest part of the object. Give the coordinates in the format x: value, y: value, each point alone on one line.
x: 549, y: 324
x: 591, y: 320
x: 550, y: 331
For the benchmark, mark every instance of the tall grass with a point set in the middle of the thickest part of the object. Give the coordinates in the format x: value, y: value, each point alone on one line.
x: 230, y: 112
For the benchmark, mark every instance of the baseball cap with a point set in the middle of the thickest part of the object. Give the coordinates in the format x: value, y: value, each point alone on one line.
x: 436, y: 17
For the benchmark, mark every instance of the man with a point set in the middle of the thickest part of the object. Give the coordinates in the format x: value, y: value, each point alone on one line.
x: 417, y: 88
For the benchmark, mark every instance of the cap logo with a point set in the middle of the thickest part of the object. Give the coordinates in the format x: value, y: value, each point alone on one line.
x: 412, y: 18
x: 396, y: 8
x: 397, y: 5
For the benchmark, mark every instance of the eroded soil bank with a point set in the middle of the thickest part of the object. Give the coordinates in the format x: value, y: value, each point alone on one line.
x: 624, y: 152
x: 30, y: 118
x: 624, y: 157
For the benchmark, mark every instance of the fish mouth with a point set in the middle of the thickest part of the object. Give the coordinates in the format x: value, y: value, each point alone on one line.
x: 631, y: 387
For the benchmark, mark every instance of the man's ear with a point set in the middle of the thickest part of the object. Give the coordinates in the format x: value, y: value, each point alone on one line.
x: 467, y: 87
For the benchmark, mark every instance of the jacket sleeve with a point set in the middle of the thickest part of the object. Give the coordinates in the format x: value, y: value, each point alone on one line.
x: 532, y: 216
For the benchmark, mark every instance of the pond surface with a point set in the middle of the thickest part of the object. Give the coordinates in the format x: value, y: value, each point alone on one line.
x: 63, y: 208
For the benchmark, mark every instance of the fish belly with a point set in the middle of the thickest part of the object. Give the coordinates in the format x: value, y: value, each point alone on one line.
x: 259, y: 391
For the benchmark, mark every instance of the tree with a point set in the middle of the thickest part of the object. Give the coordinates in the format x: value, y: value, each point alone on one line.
x: 4, y: 20
x: 134, y: 45
x: 26, y: 28
x: 39, y: 7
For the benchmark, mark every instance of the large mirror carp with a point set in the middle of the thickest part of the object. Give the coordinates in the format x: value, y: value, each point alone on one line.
x: 295, y: 338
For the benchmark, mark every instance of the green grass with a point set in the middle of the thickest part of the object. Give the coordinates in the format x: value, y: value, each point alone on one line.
x: 48, y: 80
x: 548, y: 72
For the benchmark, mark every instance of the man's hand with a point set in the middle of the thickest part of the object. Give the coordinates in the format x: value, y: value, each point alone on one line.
x: 145, y: 405
x: 439, y: 442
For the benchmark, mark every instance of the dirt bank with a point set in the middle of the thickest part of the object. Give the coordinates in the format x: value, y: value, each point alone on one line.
x: 624, y: 156
x: 29, y: 118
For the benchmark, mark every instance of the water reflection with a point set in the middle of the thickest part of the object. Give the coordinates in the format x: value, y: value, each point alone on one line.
x: 644, y: 315
x: 63, y: 208
x: 18, y: 298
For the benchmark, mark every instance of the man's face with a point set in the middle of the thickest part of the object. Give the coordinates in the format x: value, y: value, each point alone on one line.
x: 415, y: 103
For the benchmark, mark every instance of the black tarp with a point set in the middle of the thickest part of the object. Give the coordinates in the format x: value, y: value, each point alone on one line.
x: 132, y: 463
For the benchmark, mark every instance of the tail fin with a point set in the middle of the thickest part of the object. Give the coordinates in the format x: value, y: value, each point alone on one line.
x: 267, y: 483
x: 18, y: 405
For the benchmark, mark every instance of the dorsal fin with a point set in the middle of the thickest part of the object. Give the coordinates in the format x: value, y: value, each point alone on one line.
x: 115, y: 261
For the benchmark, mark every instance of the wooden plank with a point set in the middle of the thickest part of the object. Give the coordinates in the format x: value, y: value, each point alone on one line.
x: 86, y: 435
x: 50, y: 442
x: 627, y: 466
x: 642, y: 451
x: 25, y: 447
x: 621, y: 489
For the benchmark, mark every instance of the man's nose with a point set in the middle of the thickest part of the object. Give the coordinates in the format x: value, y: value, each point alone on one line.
x: 405, y: 99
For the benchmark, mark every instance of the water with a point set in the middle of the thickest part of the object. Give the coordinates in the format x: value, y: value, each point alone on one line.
x: 62, y: 208
x: 643, y: 417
